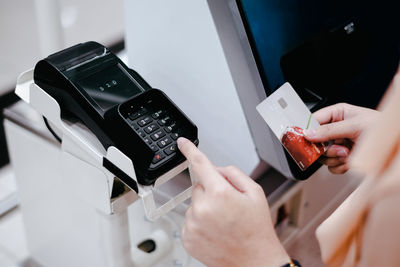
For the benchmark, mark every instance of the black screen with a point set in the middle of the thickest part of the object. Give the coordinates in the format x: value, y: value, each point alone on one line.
x: 110, y: 87
x: 340, y: 49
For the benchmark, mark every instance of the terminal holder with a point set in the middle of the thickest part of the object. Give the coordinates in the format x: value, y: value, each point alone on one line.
x: 80, y: 143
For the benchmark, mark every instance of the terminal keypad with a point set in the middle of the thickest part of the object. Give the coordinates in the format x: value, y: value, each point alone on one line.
x: 158, y: 129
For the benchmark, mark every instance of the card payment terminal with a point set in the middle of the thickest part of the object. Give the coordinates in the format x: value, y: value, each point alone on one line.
x: 94, y: 86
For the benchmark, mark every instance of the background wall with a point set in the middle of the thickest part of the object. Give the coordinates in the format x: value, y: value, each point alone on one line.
x: 98, y: 20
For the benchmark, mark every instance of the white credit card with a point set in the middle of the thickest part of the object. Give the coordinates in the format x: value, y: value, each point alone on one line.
x: 287, y: 116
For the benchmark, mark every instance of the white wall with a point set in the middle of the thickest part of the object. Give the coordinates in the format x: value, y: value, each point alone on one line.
x: 97, y: 20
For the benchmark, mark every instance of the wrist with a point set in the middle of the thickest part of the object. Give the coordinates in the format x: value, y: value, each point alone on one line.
x: 292, y: 263
x: 269, y: 256
x: 278, y: 260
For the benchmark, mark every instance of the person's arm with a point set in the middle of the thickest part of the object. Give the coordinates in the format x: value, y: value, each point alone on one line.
x: 229, y: 222
x: 343, y: 124
x: 381, y: 239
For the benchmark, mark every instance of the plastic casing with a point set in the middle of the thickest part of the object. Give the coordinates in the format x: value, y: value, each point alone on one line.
x: 58, y: 75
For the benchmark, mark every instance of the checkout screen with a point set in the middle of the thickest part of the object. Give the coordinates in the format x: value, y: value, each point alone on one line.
x: 275, y: 27
x: 109, y: 87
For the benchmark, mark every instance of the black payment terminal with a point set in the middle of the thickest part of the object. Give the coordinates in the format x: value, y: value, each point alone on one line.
x: 93, y: 85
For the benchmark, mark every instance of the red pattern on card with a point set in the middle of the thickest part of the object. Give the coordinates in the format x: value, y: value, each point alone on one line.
x: 303, y: 151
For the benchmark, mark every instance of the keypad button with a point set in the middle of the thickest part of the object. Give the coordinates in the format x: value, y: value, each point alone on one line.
x: 135, y: 115
x: 157, y: 135
x: 157, y: 114
x: 165, y: 121
x: 154, y: 148
x: 175, y: 136
x: 151, y: 128
x: 135, y: 126
x: 148, y: 140
x: 171, y: 127
x: 170, y: 149
x: 144, y: 121
x: 132, y: 123
x: 158, y: 157
x: 163, y: 143
x: 141, y: 134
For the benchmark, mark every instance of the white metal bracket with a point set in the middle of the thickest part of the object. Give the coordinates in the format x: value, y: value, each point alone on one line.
x: 83, y: 145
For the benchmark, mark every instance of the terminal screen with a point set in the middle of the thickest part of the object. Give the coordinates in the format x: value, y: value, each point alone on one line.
x: 277, y: 27
x: 109, y: 87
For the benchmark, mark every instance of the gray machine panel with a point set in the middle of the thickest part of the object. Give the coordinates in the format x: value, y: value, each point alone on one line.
x: 247, y: 80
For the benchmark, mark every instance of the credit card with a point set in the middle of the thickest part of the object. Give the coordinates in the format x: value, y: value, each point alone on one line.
x: 287, y: 116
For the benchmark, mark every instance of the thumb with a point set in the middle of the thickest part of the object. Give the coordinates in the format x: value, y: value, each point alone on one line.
x: 332, y: 131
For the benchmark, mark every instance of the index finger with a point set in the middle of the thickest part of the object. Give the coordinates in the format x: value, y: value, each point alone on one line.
x: 201, y: 166
x: 332, y: 131
x: 329, y: 114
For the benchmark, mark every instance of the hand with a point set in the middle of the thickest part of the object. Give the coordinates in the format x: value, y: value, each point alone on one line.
x: 342, y: 123
x: 229, y: 222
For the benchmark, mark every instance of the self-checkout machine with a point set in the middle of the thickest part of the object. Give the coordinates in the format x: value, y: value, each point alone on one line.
x: 229, y: 53
x: 75, y: 210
